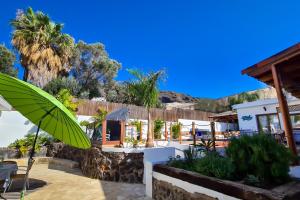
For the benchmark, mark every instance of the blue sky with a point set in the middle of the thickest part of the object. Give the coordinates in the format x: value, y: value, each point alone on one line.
x: 203, y: 45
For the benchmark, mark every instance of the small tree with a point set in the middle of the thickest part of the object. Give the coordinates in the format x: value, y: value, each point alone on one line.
x: 65, y: 97
x: 7, y: 60
x: 55, y: 85
x: 144, y: 92
x: 138, y: 126
x: 158, y: 124
x: 99, y: 117
x: 175, y: 130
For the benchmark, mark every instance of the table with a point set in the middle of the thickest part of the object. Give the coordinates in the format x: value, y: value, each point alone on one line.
x: 6, y: 170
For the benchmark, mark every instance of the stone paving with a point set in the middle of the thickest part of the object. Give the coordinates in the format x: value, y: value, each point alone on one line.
x: 70, y: 184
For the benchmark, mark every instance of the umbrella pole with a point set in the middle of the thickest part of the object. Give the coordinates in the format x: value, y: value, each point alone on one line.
x: 30, y: 161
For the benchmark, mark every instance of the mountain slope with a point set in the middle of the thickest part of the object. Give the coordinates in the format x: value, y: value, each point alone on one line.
x: 208, y: 104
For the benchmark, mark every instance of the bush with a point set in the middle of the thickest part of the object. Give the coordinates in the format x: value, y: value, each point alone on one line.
x: 25, y: 144
x: 66, y: 98
x: 211, y: 165
x: 175, y: 130
x: 215, y: 165
x: 55, y: 85
x: 158, y: 124
x: 138, y: 126
x: 260, y: 158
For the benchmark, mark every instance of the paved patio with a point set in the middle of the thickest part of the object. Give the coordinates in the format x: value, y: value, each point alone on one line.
x: 69, y: 184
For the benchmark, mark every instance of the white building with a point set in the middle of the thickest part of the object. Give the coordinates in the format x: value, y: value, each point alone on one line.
x: 264, y: 116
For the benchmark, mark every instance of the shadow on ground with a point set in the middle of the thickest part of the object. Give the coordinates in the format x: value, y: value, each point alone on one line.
x: 17, y: 186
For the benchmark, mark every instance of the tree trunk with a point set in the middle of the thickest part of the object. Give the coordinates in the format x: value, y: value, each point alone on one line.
x: 149, y: 142
x: 25, y: 75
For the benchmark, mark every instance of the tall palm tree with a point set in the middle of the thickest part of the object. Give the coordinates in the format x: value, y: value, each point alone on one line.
x: 44, y: 50
x: 144, y: 92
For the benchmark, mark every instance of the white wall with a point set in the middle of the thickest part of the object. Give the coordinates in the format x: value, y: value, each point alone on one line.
x: 205, y: 125
x: 261, y: 107
x: 154, y: 156
x: 251, y: 125
x: 14, y: 126
x: 222, y: 127
x: 199, y: 124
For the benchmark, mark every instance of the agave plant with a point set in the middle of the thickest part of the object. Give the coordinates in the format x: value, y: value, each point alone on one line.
x: 45, y: 52
x: 206, y: 145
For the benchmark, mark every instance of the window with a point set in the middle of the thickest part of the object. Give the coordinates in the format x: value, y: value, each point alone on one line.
x: 268, y: 123
x: 295, y: 119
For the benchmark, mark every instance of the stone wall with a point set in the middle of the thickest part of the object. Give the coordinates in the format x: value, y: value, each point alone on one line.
x: 163, y: 190
x: 168, y: 184
x: 95, y: 163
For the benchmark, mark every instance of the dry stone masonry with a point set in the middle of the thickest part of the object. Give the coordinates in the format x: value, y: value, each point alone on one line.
x: 95, y: 163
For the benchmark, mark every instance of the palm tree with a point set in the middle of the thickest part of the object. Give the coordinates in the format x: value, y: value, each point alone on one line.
x: 45, y: 52
x: 144, y: 92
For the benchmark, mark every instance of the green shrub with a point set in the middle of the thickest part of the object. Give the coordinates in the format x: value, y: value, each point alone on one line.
x: 25, y: 144
x: 138, y: 126
x: 158, y: 124
x: 210, y: 165
x: 54, y: 86
x: 65, y: 97
x: 190, y: 155
x: 214, y: 165
x: 175, y: 130
x: 260, y: 157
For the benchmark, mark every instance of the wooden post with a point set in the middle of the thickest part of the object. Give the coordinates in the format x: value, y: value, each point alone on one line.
x: 284, y: 110
x: 170, y: 131
x: 104, y: 132
x: 213, y: 134
x: 194, y: 133
x: 141, y: 131
x: 180, y: 136
x: 123, y: 130
x: 166, y: 131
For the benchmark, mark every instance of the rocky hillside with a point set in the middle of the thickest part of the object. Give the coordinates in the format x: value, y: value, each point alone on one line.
x: 208, y: 104
x: 171, y: 97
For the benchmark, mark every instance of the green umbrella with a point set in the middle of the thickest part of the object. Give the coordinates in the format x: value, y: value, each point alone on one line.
x: 43, y: 110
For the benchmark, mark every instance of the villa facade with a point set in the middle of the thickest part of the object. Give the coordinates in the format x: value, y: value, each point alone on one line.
x: 264, y: 116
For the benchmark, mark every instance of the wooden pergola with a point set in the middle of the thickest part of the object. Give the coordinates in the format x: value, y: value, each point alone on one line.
x: 281, y: 71
x: 227, y: 117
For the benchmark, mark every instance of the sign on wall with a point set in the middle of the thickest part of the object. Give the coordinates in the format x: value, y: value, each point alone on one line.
x: 247, y: 118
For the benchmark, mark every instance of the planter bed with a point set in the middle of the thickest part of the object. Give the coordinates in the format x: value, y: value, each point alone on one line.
x: 174, y: 183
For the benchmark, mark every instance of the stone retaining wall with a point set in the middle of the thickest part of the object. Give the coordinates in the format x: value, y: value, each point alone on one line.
x: 95, y: 163
x: 163, y: 190
x: 173, y: 183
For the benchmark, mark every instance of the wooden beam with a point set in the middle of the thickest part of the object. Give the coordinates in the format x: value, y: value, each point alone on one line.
x: 123, y: 132
x: 141, y: 131
x: 266, y: 77
x: 170, y: 131
x: 104, y: 124
x: 284, y: 110
x: 180, y: 134
x: 166, y: 131
x: 259, y: 71
x: 213, y: 134
x: 194, y: 133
